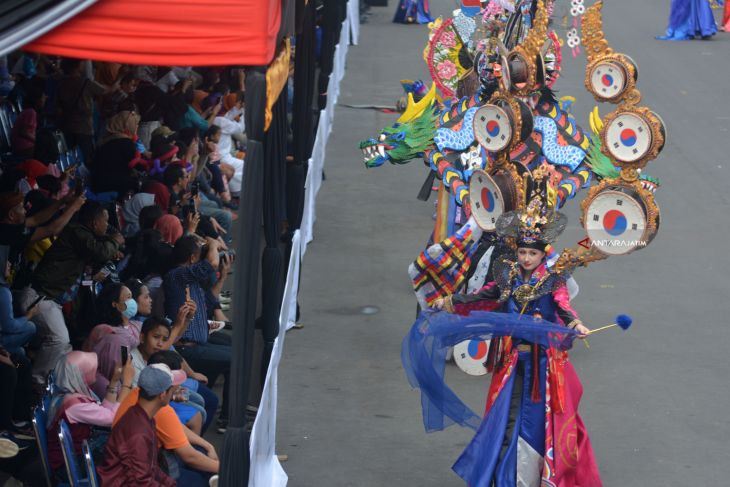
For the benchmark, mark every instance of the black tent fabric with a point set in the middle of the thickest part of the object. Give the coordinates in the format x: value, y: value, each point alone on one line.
x: 272, y: 286
x: 235, y: 457
x: 333, y: 14
x: 303, y: 115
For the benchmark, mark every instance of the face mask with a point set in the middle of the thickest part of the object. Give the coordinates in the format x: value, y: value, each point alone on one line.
x: 131, y: 310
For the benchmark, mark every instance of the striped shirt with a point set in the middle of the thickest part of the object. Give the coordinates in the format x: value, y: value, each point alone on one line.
x: 199, y: 277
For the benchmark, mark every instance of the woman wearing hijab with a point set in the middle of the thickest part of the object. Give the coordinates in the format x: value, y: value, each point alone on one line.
x: 15, y: 333
x: 170, y: 229
x: 116, y: 328
x: 118, y: 153
x: 80, y: 407
x: 131, y: 210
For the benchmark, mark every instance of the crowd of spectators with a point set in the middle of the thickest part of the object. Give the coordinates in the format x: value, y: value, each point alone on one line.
x: 118, y: 190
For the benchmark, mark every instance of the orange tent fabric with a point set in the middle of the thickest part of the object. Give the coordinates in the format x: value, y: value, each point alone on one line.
x: 169, y: 32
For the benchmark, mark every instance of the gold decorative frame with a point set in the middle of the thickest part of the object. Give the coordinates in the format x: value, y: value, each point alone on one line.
x: 655, y: 124
x: 647, y: 198
x: 621, y: 61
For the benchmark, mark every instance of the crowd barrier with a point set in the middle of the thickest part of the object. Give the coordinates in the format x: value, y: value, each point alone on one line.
x: 266, y: 471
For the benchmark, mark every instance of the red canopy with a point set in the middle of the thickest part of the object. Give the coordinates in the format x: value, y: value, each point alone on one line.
x: 169, y: 32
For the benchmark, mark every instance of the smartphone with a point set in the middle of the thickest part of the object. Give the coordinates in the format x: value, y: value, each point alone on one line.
x: 78, y: 186
x: 125, y: 354
x: 38, y: 300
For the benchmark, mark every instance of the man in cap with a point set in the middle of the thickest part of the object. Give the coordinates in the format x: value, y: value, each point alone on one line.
x: 130, y: 455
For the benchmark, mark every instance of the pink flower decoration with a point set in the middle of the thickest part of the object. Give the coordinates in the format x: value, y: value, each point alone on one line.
x: 446, y: 69
x: 448, y: 39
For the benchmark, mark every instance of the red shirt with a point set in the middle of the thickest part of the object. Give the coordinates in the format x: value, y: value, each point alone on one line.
x: 130, y: 456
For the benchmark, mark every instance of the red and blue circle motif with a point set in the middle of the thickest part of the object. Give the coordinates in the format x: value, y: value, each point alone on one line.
x: 493, y: 128
x: 487, y: 199
x: 477, y: 349
x: 607, y: 80
x: 614, y: 222
x: 628, y: 137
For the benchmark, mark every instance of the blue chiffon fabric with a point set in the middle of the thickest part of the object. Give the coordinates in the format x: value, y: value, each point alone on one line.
x: 424, y: 356
x: 689, y: 19
x: 413, y: 12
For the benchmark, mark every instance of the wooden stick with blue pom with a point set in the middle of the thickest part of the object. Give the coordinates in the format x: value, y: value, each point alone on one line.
x: 622, y: 321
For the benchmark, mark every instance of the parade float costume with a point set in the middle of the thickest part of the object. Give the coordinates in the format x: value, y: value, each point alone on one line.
x: 532, y: 403
x: 413, y: 12
x: 507, y: 155
x: 690, y: 19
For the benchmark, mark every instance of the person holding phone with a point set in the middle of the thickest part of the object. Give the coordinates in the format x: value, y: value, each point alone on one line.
x: 15, y: 333
x: 83, y: 243
x: 88, y: 417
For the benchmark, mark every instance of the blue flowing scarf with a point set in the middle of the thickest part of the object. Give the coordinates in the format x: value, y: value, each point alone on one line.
x: 424, y: 356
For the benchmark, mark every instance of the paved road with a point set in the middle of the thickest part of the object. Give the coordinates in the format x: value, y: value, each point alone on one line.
x: 655, y: 399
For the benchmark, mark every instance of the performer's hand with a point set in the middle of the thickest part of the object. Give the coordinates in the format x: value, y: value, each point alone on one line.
x: 444, y: 304
x: 582, y: 330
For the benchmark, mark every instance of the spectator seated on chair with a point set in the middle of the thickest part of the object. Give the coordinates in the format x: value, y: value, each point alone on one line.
x: 155, y: 337
x: 81, y: 244
x: 209, y: 354
x: 130, y: 456
x: 89, y: 418
x: 186, y: 462
x: 15, y: 333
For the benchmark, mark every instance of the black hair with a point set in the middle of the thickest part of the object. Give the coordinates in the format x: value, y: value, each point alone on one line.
x: 105, y: 312
x: 128, y: 78
x: 135, y: 285
x: 187, y: 135
x: 221, y: 88
x: 212, y: 130
x: 148, y: 216
x: 173, y: 174
x: 153, y: 323
x: 69, y: 65
x: 185, y: 247
x: 167, y: 357
x: 9, y: 179
x: 146, y: 257
x: 90, y: 211
x: 50, y: 183
x: 210, y: 78
x: 148, y: 397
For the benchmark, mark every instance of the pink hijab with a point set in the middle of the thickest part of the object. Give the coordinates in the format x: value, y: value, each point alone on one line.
x: 106, y: 342
x: 170, y: 228
x: 74, y: 373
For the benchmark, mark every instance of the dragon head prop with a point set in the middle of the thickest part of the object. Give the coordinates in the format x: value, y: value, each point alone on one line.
x: 408, y: 137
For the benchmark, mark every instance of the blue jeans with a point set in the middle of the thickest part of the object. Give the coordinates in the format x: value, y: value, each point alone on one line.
x: 211, y: 360
x: 15, y: 340
x: 190, y: 477
x: 223, y: 217
x: 211, y: 405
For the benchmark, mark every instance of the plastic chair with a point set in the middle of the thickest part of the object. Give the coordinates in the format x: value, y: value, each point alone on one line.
x: 89, y: 463
x: 69, y: 457
x: 41, y: 438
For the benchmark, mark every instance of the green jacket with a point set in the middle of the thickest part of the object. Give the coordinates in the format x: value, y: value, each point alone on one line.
x: 63, y: 263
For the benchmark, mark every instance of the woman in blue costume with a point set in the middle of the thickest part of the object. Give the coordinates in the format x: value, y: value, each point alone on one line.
x: 413, y: 12
x: 534, y: 394
x: 690, y: 19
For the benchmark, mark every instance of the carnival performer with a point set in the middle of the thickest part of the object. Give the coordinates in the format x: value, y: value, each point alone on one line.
x: 690, y: 19
x: 413, y: 12
x: 531, y: 434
